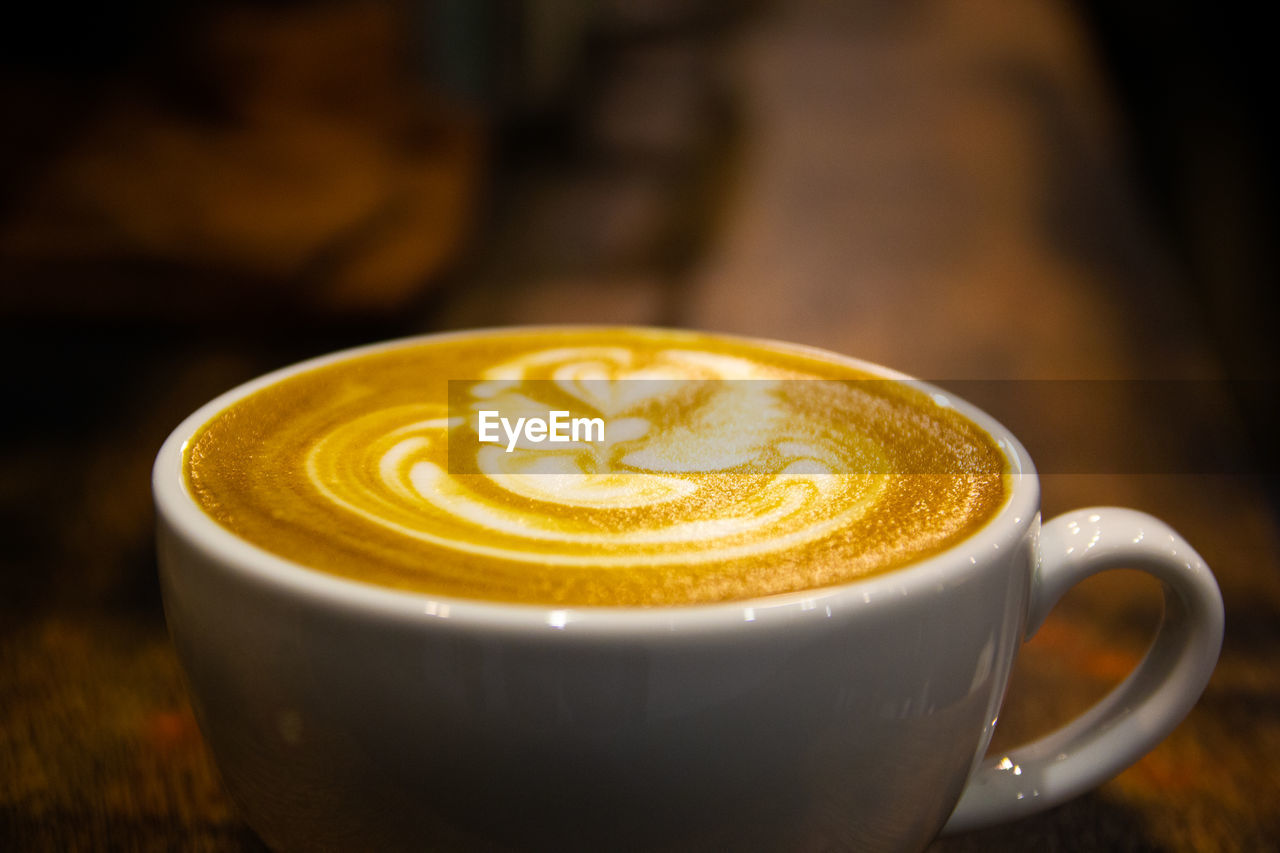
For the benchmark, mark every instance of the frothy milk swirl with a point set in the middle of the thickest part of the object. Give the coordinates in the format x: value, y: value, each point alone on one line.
x: 721, y: 473
x: 391, y: 467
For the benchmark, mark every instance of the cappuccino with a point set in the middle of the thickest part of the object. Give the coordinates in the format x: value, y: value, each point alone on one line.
x: 596, y: 467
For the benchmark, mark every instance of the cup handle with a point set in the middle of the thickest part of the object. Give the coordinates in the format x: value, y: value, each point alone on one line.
x: 1135, y: 716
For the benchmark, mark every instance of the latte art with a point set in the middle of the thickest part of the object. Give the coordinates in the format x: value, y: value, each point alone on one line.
x: 705, y: 471
x: 722, y: 469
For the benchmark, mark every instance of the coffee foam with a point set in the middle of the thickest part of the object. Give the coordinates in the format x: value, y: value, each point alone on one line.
x: 729, y: 470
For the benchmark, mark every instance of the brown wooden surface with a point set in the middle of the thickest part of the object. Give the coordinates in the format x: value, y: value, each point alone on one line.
x: 937, y: 186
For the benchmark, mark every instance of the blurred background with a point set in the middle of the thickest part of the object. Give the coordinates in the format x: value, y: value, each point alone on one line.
x: 996, y: 194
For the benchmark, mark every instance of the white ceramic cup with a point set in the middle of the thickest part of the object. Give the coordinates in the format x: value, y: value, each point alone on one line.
x: 349, y: 716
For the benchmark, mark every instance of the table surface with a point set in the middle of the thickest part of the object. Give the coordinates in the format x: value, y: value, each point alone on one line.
x: 936, y: 186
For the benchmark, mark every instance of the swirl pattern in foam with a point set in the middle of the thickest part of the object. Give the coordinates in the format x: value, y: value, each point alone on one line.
x: 727, y: 469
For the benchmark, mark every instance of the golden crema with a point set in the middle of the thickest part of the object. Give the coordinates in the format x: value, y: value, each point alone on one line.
x: 611, y: 467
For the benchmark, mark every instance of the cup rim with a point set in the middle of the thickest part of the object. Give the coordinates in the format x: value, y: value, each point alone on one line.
x: 177, y: 510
